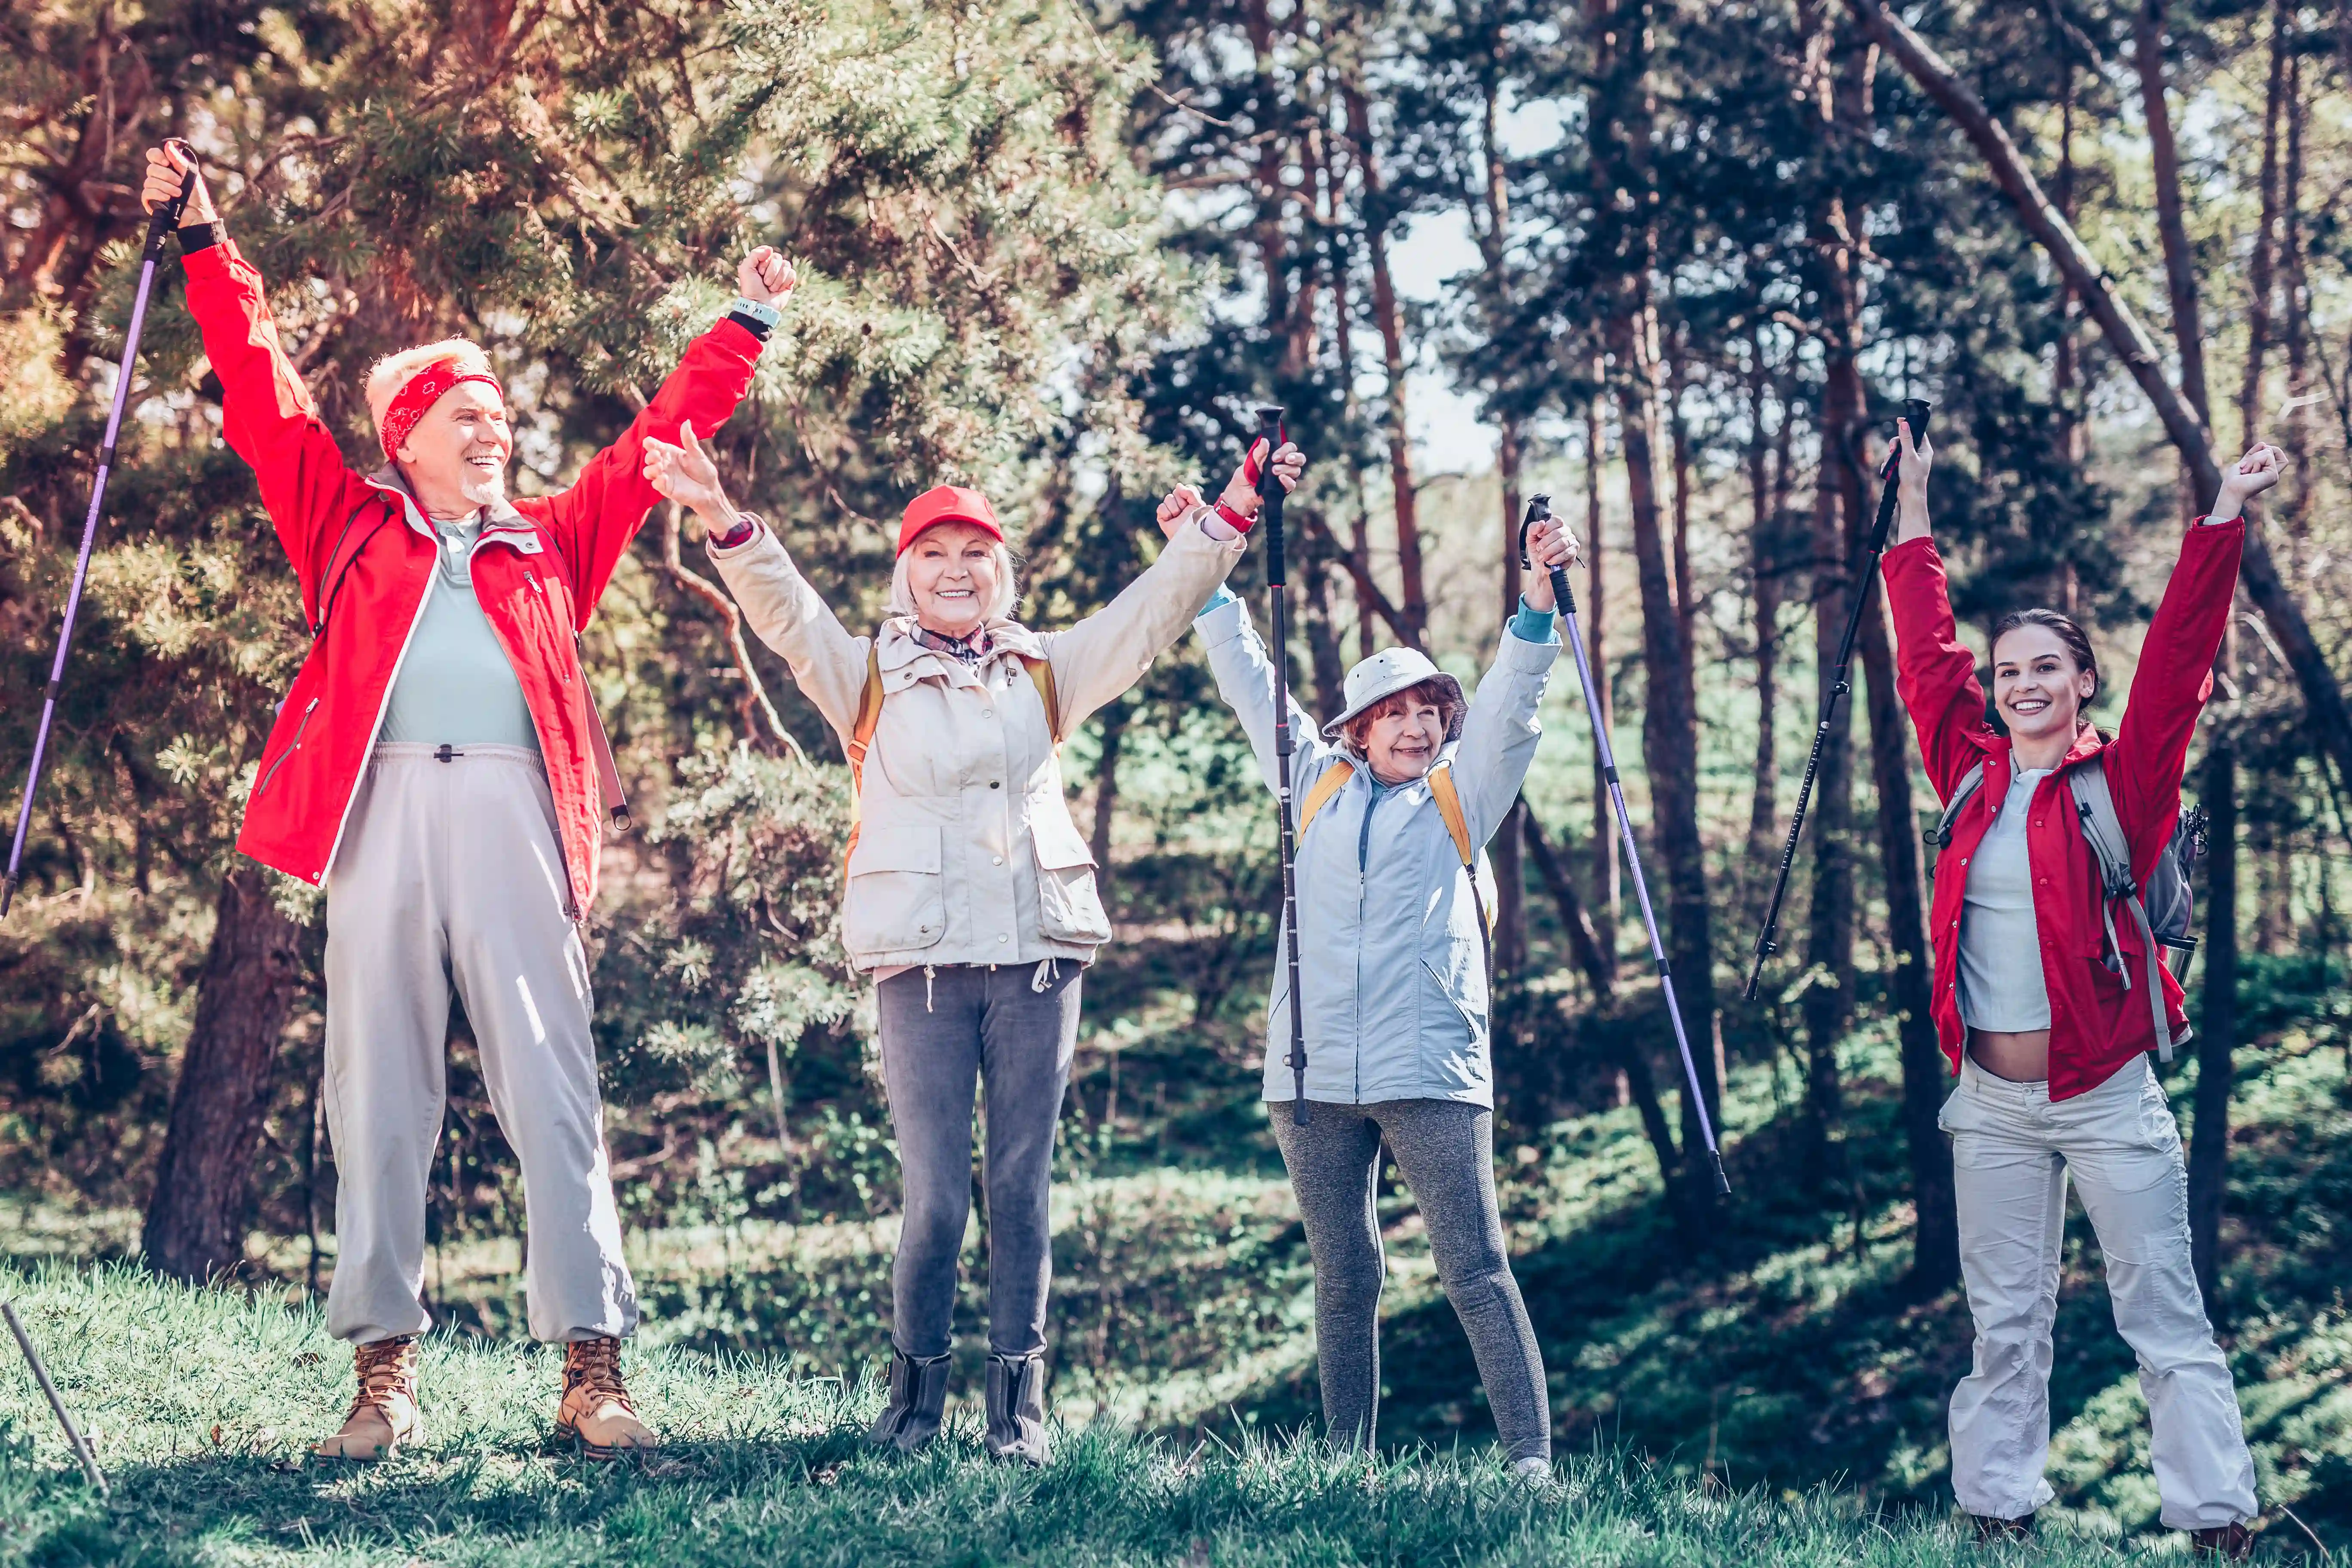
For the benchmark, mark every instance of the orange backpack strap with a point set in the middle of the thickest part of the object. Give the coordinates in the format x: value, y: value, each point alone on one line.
x: 861, y: 738
x: 1335, y: 779
x: 1457, y: 826
x: 1040, y: 675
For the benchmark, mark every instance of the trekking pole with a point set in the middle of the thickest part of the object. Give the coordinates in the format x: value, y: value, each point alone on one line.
x: 1916, y: 410
x: 41, y: 1375
x: 1269, y: 428
x: 1539, y: 509
x: 160, y: 225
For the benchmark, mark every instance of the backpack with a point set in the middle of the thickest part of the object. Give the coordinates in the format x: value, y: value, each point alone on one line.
x: 869, y: 718
x: 1457, y: 827
x: 2163, y: 911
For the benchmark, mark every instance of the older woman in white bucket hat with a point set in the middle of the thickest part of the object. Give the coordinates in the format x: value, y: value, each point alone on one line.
x: 1396, y: 802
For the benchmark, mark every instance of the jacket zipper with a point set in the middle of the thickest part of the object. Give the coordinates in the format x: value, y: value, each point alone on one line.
x: 300, y: 725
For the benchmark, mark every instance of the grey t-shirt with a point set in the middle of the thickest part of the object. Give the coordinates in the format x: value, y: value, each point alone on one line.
x: 2001, y: 984
x: 456, y: 687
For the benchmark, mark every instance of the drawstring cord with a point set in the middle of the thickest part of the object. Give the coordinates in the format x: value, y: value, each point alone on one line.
x: 1048, y: 970
x: 928, y: 973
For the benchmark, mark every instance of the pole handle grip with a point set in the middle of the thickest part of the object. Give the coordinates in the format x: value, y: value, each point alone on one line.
x: 165, y: 218
x: 1269, y: 430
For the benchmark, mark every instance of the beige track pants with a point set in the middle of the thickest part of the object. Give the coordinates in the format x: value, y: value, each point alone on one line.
x: 2013, y: 1153
x: 450, y: 871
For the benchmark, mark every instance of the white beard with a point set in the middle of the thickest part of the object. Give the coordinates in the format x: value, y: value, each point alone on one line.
x: 484, y: 487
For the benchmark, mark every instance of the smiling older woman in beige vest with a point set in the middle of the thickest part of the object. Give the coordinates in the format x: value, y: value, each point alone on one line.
x: 970, y: 893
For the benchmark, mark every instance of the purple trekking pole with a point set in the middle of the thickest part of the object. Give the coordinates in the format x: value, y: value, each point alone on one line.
x: 165, y: 219
x: 1539, y: 509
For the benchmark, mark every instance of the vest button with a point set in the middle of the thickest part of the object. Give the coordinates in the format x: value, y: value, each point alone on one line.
x: 995, y: 784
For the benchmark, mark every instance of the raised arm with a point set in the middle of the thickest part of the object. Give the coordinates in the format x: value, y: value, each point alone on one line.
x: 1237, y: 656
x: 1107, y: 652
x: 784, y: 611
x: 2176, y: 665
x: 1934, y: 674
x: 266, y: 413
x: 596, y: 518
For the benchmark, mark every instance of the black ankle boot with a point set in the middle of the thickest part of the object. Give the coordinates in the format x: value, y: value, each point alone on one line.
x: 919, y: 1392
x: 1016, y: 1409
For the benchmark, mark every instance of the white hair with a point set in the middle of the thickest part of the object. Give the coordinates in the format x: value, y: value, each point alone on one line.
x: 389, y: 374
x: 1000, y: 608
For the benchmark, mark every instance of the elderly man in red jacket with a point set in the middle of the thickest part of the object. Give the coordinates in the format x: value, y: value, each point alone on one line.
x: 436, y: 766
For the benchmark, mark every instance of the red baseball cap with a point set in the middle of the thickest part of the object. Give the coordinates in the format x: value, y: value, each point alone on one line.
x: 948, y: 503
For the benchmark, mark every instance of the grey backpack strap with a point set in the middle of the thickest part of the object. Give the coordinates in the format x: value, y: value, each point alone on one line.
x: 2095, y: 804
x: 1941, y: 834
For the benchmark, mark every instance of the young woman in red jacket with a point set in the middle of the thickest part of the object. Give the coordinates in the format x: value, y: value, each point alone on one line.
x: 433, y: 768
x: 2036, y: 1016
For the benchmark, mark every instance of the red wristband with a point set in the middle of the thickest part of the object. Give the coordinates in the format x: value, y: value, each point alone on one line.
x: 1234, y: 519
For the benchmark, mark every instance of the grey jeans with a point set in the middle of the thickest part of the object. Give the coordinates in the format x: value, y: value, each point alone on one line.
x: 943, y: 1032
x: 1445, y: 1151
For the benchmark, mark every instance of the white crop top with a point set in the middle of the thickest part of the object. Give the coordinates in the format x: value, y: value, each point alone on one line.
x: 2002, y: 985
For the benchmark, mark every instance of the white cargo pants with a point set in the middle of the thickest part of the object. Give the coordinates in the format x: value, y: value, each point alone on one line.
x: 2012, y: 1151
x: 450, y: 870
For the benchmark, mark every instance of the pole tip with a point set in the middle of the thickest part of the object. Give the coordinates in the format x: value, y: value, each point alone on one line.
x: 7, y: 894
x: 1722, y: 1182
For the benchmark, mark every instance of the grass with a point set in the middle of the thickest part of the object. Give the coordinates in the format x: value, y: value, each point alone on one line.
x: 201, y: 1402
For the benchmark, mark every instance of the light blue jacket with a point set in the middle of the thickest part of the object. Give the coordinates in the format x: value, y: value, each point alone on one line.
x: 1390, y: 955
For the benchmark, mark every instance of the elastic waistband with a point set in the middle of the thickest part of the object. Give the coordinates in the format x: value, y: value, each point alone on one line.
x: 418, y: 752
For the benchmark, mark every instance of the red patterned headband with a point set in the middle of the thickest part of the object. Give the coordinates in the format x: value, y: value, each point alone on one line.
x: 421, y: 391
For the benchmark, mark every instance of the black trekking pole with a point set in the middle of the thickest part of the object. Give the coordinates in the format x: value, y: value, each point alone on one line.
x: 1539, y: 509
x: 1916, y: 410
x: 41, y: 1375
x: 165, y: 219
x: 1269, y: 429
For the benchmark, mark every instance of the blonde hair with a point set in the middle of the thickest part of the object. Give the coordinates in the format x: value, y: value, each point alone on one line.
x: 389, y: 374
x: 1000, y: 608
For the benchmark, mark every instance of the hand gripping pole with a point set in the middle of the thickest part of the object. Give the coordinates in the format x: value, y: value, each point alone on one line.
x: 1269, y: 429
x: 166, y: 219
x: 1916, y: 410
x: 1539, y: 509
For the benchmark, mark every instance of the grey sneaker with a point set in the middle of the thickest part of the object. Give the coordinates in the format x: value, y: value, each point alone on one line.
x: 918, y: 1393
x: 1016, y: 1409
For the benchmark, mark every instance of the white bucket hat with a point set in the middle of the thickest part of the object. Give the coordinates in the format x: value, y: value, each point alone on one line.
x: 1392, y: 670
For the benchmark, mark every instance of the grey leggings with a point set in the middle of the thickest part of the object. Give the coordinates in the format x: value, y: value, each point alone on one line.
x: 942, y: 1032
x: 1447, y: 1153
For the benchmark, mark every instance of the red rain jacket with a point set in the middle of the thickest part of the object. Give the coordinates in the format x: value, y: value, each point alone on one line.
x: 362, y: 544
x: 2096, y: 1025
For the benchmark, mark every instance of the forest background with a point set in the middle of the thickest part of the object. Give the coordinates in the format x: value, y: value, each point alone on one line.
x: 1058, y: 251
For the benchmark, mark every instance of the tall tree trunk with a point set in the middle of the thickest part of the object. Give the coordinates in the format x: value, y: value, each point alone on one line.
x: 2209, y: 1150
x: 1679, y: 431
x: 1607, y: 883
x: 2180, y: 262
x: 1764, y: 566
x: 1389, y: 321
x: 203, y: 1183
x: 2294, y: 334
x: 1624, y: 120
x: 2323, y: 694
x: 1270, y: 121
x: 2209, y: 1144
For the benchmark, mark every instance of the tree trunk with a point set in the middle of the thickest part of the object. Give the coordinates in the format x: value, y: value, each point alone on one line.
x: 2323, y: 695
x: 1606, y: 882
x: 1669, y: 723
x: 2209, y: 1146
x: 1678, y: 430
x: 1414, y: 611
x: 1764, y: 567
x: 2180, y: 263
x: 203, y: 1183
x: 1510, y: 884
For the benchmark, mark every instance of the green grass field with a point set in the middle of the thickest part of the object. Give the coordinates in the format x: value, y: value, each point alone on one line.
x: 201, y: 1402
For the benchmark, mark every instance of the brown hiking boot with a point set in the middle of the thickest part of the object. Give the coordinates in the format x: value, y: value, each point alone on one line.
x: 2222, y: 1543
x: 382, y: 1417
x: 597, y: 1414
x: 1993, y: 1530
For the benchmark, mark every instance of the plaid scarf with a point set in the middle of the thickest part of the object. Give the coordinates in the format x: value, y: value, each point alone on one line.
x: 971, y: 649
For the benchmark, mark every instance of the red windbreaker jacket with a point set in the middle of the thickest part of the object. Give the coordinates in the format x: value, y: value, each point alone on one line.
x: 360, y: 549
x: 2096, y: 1025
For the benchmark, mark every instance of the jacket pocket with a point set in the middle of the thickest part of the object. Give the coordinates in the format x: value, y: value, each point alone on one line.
x: 1453, y: 994
x: 301, y: 726
x: 1069, y: 906
x: 897, y: 899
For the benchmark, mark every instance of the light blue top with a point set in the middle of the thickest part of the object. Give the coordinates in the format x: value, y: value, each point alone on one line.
x: 455, y: 686
x: 1391, y: 956
x: 1529, y: 625
x: 2001, y: 984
